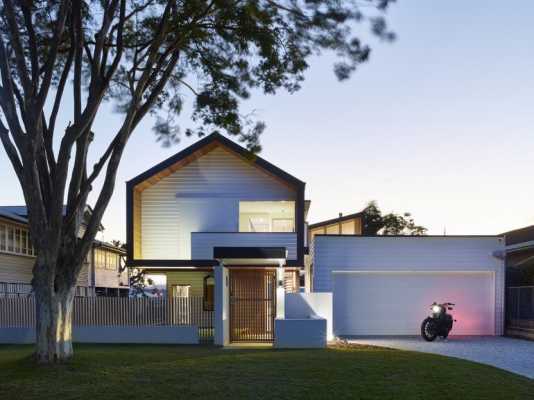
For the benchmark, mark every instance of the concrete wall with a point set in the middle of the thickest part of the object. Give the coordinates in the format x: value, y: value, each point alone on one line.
x: 305, y: 305
x: 300, y: 333
x: 112, y: 334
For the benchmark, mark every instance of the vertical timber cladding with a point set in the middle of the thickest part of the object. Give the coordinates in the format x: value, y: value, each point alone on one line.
x: 252, y: 305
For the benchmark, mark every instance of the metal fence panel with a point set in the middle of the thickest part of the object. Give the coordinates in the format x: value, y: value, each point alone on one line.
x: 19, y: 312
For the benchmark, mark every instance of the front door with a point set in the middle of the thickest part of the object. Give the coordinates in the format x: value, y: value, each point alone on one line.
x: 252, y: 305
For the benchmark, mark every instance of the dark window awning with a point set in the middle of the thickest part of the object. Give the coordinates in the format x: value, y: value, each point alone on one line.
x: 279, y: 253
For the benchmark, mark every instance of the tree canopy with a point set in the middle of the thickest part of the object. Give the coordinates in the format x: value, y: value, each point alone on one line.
x: 376, y: 223
x: 143, y: 55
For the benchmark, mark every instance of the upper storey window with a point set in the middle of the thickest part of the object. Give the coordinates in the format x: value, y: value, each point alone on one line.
x: 16, y: 240
x: 266, y: 216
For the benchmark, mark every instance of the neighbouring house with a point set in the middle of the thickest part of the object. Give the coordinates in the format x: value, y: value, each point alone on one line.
x: 216, y: 221
x: 350, y: 224
x: 102, y: 273
x: 520, y: 282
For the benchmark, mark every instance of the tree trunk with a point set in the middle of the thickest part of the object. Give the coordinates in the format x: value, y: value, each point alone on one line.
x: 54, y: 325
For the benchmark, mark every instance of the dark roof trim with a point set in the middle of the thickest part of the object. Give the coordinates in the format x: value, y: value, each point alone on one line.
x: 215, y: 137
x: 171, y: 263
x: 13, y: 217
x: 414, y: 236
x: 188, y: 263
x: 336, y: 220
x: 521, y: 235
x: 249, y: 252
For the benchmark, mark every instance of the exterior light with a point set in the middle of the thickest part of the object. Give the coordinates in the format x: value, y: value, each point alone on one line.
x: 436, y: 309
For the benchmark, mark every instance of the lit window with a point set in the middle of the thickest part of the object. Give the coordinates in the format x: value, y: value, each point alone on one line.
x: 258, y: 224
x: 266, y: 216
x: 181, y: 290
x: 283, y: 225
x: 209, y: 289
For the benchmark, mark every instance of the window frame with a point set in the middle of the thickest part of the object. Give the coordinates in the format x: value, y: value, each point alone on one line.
x: 205, y: 303
x: 269, y: 216
x: 16, y: 240
x: 184, y: 285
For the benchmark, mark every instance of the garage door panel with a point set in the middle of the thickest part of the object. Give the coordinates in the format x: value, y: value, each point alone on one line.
x: 395, y: 303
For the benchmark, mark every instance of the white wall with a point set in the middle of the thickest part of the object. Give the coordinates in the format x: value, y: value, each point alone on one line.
x: 202, y: 196
x: 112, y: 334
x: 203, y: 243
x: 449, y: 253
x: 300, y: 333
x: 221, y: 316
x: 396, y: 302
x: 304, y: 305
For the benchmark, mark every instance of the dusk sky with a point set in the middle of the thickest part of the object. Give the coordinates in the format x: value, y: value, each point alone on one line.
x: 439, y: 123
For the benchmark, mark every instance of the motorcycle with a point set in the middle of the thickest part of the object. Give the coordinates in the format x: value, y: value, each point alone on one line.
x: 439, y: 323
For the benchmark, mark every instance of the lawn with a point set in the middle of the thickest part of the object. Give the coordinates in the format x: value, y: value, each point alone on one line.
x: 156, y: 372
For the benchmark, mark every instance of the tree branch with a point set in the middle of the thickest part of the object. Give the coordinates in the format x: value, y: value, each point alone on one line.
x: 17, y: 47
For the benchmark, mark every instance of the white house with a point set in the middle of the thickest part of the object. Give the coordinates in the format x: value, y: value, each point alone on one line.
x: 222, y: 224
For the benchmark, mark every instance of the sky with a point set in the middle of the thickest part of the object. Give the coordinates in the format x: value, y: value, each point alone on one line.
x: 439, y: 123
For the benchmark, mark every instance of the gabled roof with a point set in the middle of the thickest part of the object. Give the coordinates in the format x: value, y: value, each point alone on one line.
x: 211, y: 141
x: 20, y: 213
x: 6, y: 212
x: 336, y: 220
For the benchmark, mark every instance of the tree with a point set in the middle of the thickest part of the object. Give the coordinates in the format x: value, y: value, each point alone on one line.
x: 374, y: 223
x: 143, y: 55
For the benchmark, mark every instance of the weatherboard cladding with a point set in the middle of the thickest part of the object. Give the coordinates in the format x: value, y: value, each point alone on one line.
x: 202, y: 196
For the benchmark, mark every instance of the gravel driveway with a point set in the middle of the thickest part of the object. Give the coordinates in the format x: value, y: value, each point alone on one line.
x: 513, y: 355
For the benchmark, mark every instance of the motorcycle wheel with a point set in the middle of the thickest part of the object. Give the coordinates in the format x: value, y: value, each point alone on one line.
x: 429, y: 330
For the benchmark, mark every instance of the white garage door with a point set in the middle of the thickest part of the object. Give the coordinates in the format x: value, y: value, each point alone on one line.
x: 395, y: 303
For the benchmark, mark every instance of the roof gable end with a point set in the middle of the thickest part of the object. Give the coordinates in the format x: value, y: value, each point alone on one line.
x: 202, y: 147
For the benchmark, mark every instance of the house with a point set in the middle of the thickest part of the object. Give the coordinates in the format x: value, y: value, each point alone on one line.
x: 520, y: 282
x: 351, y: 224
x: 213, y: 213
x: 99, y: 276
x: 227, y: 230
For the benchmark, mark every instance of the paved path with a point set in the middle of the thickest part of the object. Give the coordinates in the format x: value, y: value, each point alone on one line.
x: 513, y: 355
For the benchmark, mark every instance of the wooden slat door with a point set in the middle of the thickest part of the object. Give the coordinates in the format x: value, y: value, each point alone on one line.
x: 252, y: 305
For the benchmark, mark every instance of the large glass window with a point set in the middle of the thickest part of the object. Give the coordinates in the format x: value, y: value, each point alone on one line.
x: 267, y: 216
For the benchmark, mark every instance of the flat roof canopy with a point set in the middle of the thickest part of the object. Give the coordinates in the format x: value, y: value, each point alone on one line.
x: 250, y: 255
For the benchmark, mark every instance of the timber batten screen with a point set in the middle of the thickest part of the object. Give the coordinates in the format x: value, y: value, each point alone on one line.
x: 252, y: 305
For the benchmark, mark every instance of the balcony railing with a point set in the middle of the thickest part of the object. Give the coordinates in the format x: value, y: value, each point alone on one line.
x: 202, y: 243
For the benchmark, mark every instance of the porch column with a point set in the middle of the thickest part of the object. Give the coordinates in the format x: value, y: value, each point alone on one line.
x: 280, y: 293
x: 221, y: 318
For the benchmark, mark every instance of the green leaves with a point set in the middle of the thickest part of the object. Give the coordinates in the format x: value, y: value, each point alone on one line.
x: 225, y: 49
x: 374, y: 223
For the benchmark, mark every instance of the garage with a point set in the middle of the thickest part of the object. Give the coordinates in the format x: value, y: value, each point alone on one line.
x: 395, y: 303
x: 385, y: 285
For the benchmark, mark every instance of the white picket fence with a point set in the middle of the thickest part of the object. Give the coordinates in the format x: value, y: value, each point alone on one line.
x: 116, y: 311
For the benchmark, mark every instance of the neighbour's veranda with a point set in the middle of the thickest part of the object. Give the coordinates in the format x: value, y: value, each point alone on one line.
x: 226, y: 232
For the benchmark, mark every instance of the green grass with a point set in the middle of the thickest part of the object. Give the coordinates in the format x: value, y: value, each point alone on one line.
x: 173, y: 372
